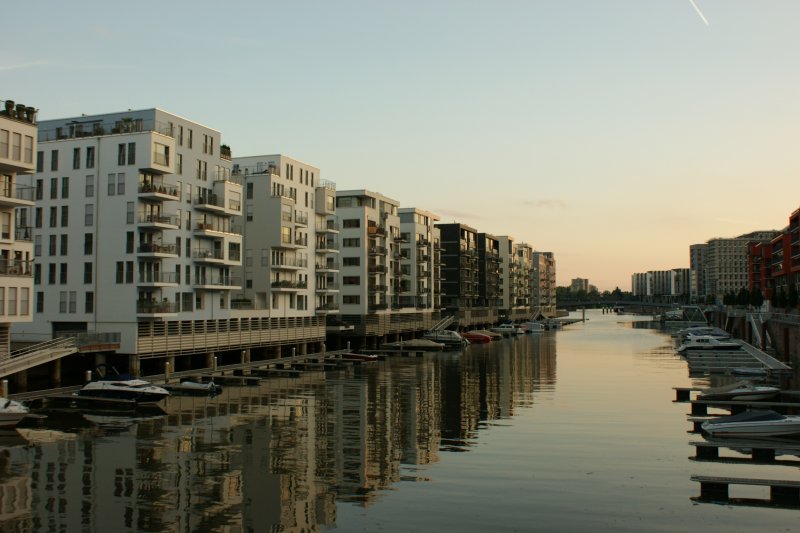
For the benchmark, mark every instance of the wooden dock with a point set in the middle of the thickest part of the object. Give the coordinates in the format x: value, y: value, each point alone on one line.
x: 763, y: 451
x: 725, y: 361
x: 783, y: 493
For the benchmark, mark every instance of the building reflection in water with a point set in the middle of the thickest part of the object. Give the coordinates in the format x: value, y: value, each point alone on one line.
x: 272, y: 457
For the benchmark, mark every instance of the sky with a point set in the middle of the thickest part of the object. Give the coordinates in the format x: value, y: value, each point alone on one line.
x: 613, y: 133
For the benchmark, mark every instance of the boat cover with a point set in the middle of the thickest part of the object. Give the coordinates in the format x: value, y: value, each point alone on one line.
x: 760, y: 415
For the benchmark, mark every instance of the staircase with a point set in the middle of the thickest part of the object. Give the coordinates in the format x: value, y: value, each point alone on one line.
x: 443, y: 323
x: 756, y: 323
x: 37, y: 354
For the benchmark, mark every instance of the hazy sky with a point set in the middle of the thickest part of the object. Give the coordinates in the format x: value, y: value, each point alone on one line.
x: 614, y: 133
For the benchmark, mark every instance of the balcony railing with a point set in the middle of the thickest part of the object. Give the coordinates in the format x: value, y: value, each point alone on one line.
x: 12, y: 190
x: 217, y: 281
x: 153, y: 248
x: 170, y: 220
x: 208, y: 254
x: 158, y: 277
x: 167, y: 190
x: 144, y: 307
x: 291, y: 263
x: 287, y: 284
x: 15, y: 267
x: 23, y: 233
x: 96, y: 129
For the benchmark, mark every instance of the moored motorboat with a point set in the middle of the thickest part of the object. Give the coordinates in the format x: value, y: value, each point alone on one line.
x: 414, y: 344
x: 11, y: 413
x: 741, y: 390
x: 695, y: 343
x: 758, y: 423
x: 351, y: 356
x: 476, y: 338
x: 532, y: 326
x: 491, y: 334
x: 508, y: 329
x: 124, y: 387
x: 194, y: 388
x: 448, y: 337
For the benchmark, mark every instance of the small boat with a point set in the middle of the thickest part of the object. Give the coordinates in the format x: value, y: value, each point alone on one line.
x: 476, y: 338
x: 719, y: 333
x: 424, y: 345
x: 752, y: 372
x: 11, y: 413
x: 508, y: 329
x: 532, y: 326
x: 758, y: 423
x: 451, y: 339
x: 695, y: 343
x: 359, y: 357
x: 195, y: 388
x: 491, y: 334
x: 123, y: 387
x: 741, y: 390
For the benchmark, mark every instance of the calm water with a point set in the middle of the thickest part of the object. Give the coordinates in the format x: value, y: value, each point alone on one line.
x: 567, y: 431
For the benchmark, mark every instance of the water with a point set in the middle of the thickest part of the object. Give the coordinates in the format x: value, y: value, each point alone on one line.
x: 572, y: 430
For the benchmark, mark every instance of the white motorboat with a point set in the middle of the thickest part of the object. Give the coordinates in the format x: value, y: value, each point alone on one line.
x: 124, y: 387
x: 741, y: 390
x: 195, y: 388
x: 761, y: 423
x: 719, y: 333
x: 695, y: 343
x: 532, y: 326
x: 508, y: 329
x: 448, y: 337
x: 11, y: 413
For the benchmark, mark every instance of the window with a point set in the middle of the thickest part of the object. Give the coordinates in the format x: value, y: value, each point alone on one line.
x: 37, y: 245
x: 129, y: 242
x: 121, y: 154
x: 352, y: 299
x: 64, y: 244
x: 351, y: 243
x: 186, y: 301
x: 129, y: 272
x: 37, y: 273
x: 351, y: 261
x: 51, y: 273
x: 4, y: 145
x: 90, y: 157
x: 12, y: 300
x: 39, y: 189
x: 286, y: 235
x: 87, y: 272
x: 62, y: 302
x: 40, y: 302
x: 63, y: 274
x: 112, y: 183
x: 189, y: 139
x: 88, y: 245
x: 351, y: 223
x: 2, y: 300
x: 51, y: 250
x: 88, y: 306
x: 129, y: 213
x: 249, y: 191
x: 72, y: 301
x: 53, y: 217
x: 90, y: 186
x: 53, y: 188
x: 65, y: 187
x: 179, y: 164
x: 76, y: 158
x: 53, y: 160
x: 28, y: 154
x: 38, y: 217
x: 121, y: 183
x: 120, y: 277
x: 88, y: 215
x: 39, y: 157
x: 351, y: 280
x: 131, y: 153
x: 180, y: 135
x: 161, y: 154
x: 64, y: 216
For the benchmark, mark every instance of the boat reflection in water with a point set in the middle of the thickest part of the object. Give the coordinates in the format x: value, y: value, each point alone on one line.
x: 273, y: 457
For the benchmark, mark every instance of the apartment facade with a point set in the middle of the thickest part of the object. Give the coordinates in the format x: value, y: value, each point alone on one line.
x: 459, y: 266
x: 418, y: 276
x: 488, y: 271
x: 543, y: 284
x: 137, y: 231
x: 18, y: 144
x: 697, y: 273
x: 725, y: 263
x: 774, y: 265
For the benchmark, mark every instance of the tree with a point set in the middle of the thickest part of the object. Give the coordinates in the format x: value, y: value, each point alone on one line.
x: 756, y: 298
x: 743, y: 298
x: 791, y: 299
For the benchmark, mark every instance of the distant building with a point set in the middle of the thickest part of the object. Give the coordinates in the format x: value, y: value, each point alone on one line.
x: 543, y: 283
x: 697, y: 274
x: 774, y: 265
x: 725, y: 263
x: 579, y: 284
x: 661, y: 285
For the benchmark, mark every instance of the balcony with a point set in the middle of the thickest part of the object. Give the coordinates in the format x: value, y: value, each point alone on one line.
x: 208, y: 256
x: 330, y: 246
x: 373, y: 229
x: 16, y: 267
x: 375, y: 287
x: 160, y: 192
x: 328, y: 287
x: 155, y: 309
x: 209, y: 202
x: 289, y: 263
x: 325, y: 308
x: 157, y: 250
x: 157, y: 279
x: 377, y: 250
x: 217, y: 282
x: 329, y: 227
x: 12, y: 195
x: 378, y: 306
x: 377, y: 269
x: 216, y: 230
x: 288, y: 285
x: 301, y: 219
x: 23, y: 234
x: 330, y: 266
x: 158, y: 221
x: 93, y: 128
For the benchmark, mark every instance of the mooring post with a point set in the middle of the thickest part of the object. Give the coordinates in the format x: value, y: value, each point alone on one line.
x: 88, y: 376
x: 166, y: 371
x: 214, y: 363
x: 4, y: 386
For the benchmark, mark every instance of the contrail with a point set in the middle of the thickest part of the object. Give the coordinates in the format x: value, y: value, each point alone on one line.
x: 699, y: 12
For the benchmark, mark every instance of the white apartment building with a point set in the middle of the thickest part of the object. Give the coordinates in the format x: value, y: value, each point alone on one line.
x: 520, y: 281
x: 417, y: 282
x: 724, y: 263
x: 135, y: 233
x: 290, y: 248
x: 543, y: 283
x: 17, y: 149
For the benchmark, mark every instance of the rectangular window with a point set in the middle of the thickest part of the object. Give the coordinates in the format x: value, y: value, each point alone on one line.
x: 88, y: 215
x: 90, y: 186
x: 88, y: 243
x: 38, y: 217
x: 53, y: 160
x: 121, y: 155
x: 62, y: 302
x: 351, y: 280
x: 90, y: 157
x: 2, y: 300
x: 72, y: 303
x: 37, y: 273
x: 352, y: 299
x: 88, y: 306
x: 129, y: 272
x: 351, y: 261
x: 39, y: 189
x: 4, y: 135
x: 24, y: 297
x: 65, y: 187
x: 120, y: 277
x: 112, y: 184
x: 351, y: 243
x: 51, y: 249
x: 189, y: 140
x: 131, y: 153
x: 179, y: 164
x: 12, y: 300
x: 76, y: 158
x: 351, y: 223
x: 63, y: 274
x: 39, y: 160
x: 64, y: 244
x: 250, y: 191
x: 51, y: 273
x: 28, y: 154
x: 87, y: 272
x: 161, y: 154
x: 129, y: 214
x: 121, y: 183
x: 129, y: 242
x: 53, y: 217
x: 64, y: 216
x: 186, y: 301
x: 40, y: 302
x: 37, y: 246
x: 53, y: 188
